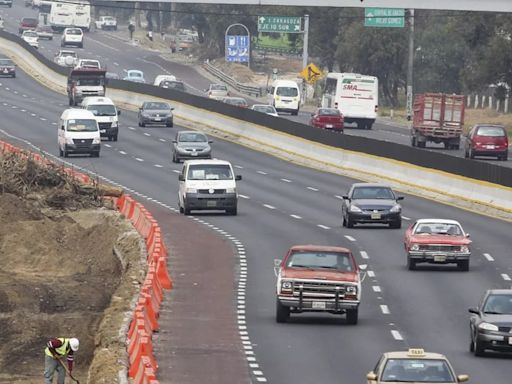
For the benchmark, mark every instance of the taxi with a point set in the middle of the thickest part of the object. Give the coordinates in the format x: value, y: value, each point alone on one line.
x: 414, y: 366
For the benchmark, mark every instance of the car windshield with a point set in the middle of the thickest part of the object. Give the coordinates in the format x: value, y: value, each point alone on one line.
x: 89, y: 82
x: 320, y: 260
x: 218, y: 87
x: 134, y: 74
x: 449, y: 229
x: 6, y: 62
x: 328, y: 112
x: 383, y: 193
x: 210, y: 172
x: 498, y: 304
x: 102, y: 110
x: 234, y: 101
x: 89, y: 63
x: 287, y: 91
x: 74, y: 32
x: 159, y: 106
x: 264, y: 108
x: 491, y: 131
x: 417, y: 371
x: 66, y: 54
x: 82, y: 125
x: 192, y: 137
x: 29, y: 21
x: 30, y: 34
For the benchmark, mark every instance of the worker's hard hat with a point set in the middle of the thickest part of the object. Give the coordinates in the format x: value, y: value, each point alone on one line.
x: 74, y: 344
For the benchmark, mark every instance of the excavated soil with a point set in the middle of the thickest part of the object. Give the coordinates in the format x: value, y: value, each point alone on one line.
x: 68, y: 271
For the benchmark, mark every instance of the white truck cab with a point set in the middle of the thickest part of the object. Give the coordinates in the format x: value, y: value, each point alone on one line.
x: 284, y: 95
x: 106, y: 22
x: 78, y: 133
x: 106, y: 115
x: 208, y: 185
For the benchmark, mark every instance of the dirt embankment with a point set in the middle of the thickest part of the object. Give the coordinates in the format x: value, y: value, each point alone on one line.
x: 69, y: 271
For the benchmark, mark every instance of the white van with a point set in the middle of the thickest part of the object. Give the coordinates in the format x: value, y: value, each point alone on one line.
x: 284, y: 95
x: 355, y: 95
x: 208, y: 185
x: 65, y: 14
x: 78, y: 132
x: 106, y: 115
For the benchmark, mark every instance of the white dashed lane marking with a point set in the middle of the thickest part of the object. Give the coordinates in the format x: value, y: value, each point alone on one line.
x: 488, y: 257
x: 146, y: 134
x: 107, y: 145
x: 376, y: 288
x: 350, y: 238
x: 364, y: 254
x: 158, y: 166
x: 286, y: 180
x: 269, y: 206
x: 261, y: 172
x: 122, y: 152
x: 323, y: 226
x: 139, y: 159
x: 396, y: 335
x: 406, y: 218
x: 384, y: 309
x: 239, y: 167
x: 313, y: 189
x: 505, y: 277
x: 296, y: 217
x: 244, y: 196
x: 163, y: 140
x: 371, y: 274
x: 176, y: 171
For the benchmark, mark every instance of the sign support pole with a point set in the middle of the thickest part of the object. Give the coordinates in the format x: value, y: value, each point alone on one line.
x: 410, y: 64
x: 305, y: 54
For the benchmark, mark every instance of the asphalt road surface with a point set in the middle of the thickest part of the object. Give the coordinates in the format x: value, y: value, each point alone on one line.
x: 282, y: 204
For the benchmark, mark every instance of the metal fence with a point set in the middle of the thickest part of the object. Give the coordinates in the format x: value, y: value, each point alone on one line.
x: 242, y: 88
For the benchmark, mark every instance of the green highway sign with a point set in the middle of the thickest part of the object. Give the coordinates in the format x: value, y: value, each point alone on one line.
x: 280, y: 24
x: 384, y: 17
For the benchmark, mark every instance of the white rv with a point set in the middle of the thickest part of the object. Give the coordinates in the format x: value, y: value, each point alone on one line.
x: 355, y: 95
x: 75, y: 14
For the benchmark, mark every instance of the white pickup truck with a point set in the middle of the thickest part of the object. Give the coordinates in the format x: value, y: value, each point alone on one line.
x: 106, y: 22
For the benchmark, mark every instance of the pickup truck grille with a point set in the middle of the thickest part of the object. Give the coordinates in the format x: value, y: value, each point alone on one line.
x: 318, y: 289
x: 440, y: 248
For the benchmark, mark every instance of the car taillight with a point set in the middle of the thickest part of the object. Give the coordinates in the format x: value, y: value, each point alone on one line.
x: 336, y: 105
x: 376, y: 108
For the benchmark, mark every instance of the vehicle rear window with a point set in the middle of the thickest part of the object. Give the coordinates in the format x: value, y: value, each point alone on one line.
x: 218, y: 87
x: 6, y: 62
x: 320, y: 260
x: 29, y: 21
x: 287, y: 91
x: 74, y: 32
x: 328, y: 112
x: 491, y: 131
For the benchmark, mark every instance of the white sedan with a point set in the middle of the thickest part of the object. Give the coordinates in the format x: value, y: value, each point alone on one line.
x: 31, y: 38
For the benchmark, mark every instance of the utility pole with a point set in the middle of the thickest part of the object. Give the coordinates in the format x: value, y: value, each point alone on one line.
x: 305, y: 54
x: 410, y: 65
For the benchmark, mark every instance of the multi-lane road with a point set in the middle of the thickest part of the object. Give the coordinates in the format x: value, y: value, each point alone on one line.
x: 282, y: 204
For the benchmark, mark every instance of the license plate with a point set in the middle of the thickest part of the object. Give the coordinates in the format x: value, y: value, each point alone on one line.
x: 439, y: 258
x: 193, y: 153
x: 318, y: 305
x: 103, y: 130
x: 328, y: 126
x: 375, y: 216
x: 158, y: 119
x: 211, y: 203
x: 489, y: 146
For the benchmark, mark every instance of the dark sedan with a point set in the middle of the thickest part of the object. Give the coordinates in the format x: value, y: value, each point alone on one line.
x: 155, y: 112
x: 7, y: 68
x: 491, y: 322
x: 370, y: 204
x: 327, y: 118
x: 191, y: 145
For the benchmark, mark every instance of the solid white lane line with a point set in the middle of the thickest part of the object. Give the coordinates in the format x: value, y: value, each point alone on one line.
x: 296, y: 217
x: 286, y: 180
x: 376, y: 288
x: 269, y: 206
x: 488, y: 257
x: 505, y: 277
x: 323, y: 226
x: 396, y: 335
x: 350, y: 238
x: 122, y: 152
x: 261, y: 172
x: 364, y: 255
x: 384, y: 309
x: 371, y: 274
x: 244, y: 196
x: 313, y: 189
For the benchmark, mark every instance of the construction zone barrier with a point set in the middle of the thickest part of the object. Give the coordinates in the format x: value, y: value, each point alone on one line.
x: 144, y: 322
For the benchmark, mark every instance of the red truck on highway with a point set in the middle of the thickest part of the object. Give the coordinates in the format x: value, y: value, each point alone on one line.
x: 438, y: 118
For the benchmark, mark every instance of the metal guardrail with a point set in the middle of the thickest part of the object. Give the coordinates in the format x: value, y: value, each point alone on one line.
x: 246, y: 89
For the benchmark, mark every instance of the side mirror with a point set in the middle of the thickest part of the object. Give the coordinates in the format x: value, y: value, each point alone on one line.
x: 118, y: 112
x: 277, y: 263
x: 210, y: 141
x: 399, y: 198
x: 363, y: 267
x: 172, y: 108
x: 462, y: 378
x: 238, y: 177
x: 473, y: 310
x: 345, y: 197
x: 312, y: 114
x: 371, y: 376
x: 175, y: 141
x: 468, y: 235
x: 180, y: 177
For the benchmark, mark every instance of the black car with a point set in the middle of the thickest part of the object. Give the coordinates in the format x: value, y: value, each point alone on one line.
x: 177, y: 85
x: 491, y: 322
x: 371, y: 203
x: 155, y: 112
x: 7, y: 67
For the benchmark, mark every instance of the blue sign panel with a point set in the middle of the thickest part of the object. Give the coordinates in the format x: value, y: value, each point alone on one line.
x: 237, y: 48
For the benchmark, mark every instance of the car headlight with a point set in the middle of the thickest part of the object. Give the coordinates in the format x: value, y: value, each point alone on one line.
x: 191, y: 190
x: 96, y: 140
x: 114, y: 124
x: 488, y: 327
x: 464, y: 249
x: 351, y: 290
x: 355, y: 208
x: 69, y: 140
x: 286, y: 285
x: 230, y: 190
x: 396, y: 208
x: 415, y: 247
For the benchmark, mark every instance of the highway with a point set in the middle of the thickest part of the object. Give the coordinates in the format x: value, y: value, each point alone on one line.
x: 113, y: 50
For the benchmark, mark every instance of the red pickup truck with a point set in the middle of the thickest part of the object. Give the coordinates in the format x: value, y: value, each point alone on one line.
x: 317, y: 278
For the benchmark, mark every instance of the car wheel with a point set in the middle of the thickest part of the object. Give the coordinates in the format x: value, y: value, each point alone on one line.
x: 114, y: 137
x: 344, y: 222
x: 471, y: 342
x: 186, y: 210
x: 142, y: 124
x: 174, y: 159
x: 169, y: 125
x: 396, y: 224
x: 421, y: 144
x: 411, y: 264
x: 60, y: 152
x: 65, y: 153
x: 350, y: 223
x: 95, y: 154
x: 180, y: 207
x: 479, y: 349
x: 282, y: 313
x: 463, y: 265
x: 471, y: 153
x: 232, y: 211
x: 413, y: 141
x: 14, y: 76
x: 352, y: 316
x: 466, y: 155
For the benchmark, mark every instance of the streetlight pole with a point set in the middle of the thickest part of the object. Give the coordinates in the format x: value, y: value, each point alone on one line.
x: 410, y: 63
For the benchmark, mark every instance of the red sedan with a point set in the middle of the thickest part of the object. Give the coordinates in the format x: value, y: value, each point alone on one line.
x: 328, y: 118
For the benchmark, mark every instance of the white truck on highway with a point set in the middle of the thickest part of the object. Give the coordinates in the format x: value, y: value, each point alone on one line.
x: 74, y: 14
x: 106, y: 23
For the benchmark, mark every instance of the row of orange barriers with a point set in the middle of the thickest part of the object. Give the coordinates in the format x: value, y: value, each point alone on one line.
x: 142, y: 362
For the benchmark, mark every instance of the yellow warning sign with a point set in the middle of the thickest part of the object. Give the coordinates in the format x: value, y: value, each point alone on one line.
x: 311, y: 73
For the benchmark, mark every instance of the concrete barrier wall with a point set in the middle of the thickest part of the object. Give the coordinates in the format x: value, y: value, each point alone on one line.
x: 420, y: 180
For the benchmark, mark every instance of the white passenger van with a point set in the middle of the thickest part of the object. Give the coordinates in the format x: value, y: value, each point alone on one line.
x: 64, y: 14
x: 208, y: 185
x: 106, y: 115
x: 355, y: 95
x: 284, y: 95
x: 78, y: 132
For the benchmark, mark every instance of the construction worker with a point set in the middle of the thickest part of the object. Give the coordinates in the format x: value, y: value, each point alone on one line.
x: 56, y: 350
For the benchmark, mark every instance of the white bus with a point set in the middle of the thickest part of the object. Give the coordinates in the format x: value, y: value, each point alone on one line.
x: 64, y: 15
x: 355, y: 95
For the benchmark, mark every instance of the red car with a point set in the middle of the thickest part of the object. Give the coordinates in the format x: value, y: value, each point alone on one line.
x: 487, y: 140
x: 437, y: 241
x: 27, y: 24
x: 328, y: 118
x: 318, y: 278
